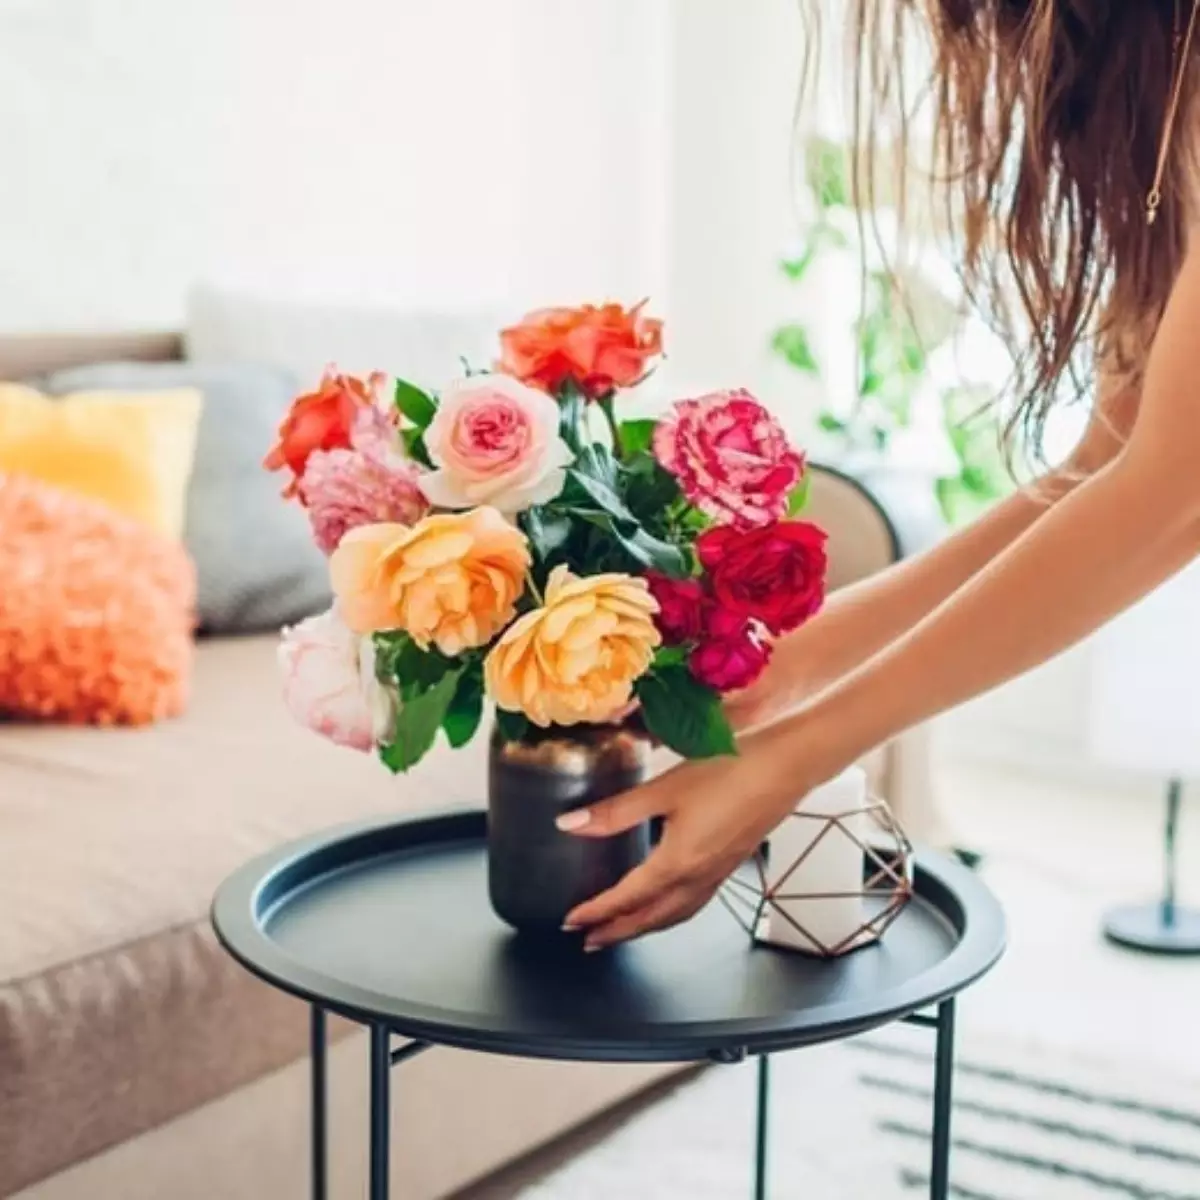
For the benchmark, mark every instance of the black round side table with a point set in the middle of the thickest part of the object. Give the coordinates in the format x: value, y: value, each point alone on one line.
x: 389, y: 925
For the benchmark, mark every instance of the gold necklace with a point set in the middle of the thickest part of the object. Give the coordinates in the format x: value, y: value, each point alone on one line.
x: 1179, y: 66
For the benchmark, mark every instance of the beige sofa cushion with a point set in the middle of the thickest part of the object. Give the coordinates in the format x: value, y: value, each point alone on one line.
x: 117, y: 1009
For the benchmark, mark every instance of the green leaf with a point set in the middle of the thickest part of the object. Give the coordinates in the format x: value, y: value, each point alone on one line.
x: 414, y: 445
x: 513, y: 726
x: 685, y: 715
x: 601, y: 494
x: 798, y: 496
x: 418, y: 722
x: 548, y: 531
x: 646, y: 550
x: 404, y: 662
x: 418, y: 406
x: 466, y: 709
x: 796, y: 268
x: 597, y: 462
x: 670, y: 656
x: 650, y: 491
x: 828, y: 423
x: 827, y: 167
x: 791, y: 342
x: 872, y: 384
x: 637, y: 437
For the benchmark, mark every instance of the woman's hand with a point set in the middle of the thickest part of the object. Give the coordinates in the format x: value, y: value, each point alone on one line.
x: 716, y: 813
x: 780, y: 689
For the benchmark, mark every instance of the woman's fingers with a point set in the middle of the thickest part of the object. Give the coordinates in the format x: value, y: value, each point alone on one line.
x: 613, y: 816
x: 640, y: 887
x: 668, y: 909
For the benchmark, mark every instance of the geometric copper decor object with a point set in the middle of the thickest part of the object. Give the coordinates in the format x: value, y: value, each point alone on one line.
x: 776, y: 904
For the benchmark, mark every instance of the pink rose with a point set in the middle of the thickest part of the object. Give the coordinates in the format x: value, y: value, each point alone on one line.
x: 732, y: 654
x: 329, y: 683
x: 495, y: 442
x: 370, y: 483
x: 731, y: 457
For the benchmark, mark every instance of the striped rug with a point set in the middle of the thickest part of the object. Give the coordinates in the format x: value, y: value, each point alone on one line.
x: 851, y: 1122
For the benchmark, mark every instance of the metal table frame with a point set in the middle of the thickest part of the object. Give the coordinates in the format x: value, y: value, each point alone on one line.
x: 383, y: 1057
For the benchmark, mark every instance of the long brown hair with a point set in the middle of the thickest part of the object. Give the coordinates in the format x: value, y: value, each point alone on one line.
x: 1048, y: 118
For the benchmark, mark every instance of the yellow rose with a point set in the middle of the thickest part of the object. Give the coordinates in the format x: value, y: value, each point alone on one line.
x: 451, y: 580
x: 575, y: 659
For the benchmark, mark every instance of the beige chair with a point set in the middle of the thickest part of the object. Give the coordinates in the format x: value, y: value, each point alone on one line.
x: 137, y: 1061
x: 862, y: 542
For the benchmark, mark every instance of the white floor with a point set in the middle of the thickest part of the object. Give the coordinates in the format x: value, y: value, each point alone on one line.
x: 1058, y: 855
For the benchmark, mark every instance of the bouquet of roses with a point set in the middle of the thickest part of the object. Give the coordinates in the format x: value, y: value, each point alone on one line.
x: 513, y: 537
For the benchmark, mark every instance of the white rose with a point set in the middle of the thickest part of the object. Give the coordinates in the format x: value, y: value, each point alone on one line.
x: 494, y: 441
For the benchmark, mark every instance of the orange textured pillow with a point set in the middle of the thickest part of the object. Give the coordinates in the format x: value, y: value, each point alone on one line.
x: 96, y: 611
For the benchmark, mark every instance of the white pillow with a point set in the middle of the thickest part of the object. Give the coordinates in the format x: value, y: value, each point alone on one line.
x: 302, y: 337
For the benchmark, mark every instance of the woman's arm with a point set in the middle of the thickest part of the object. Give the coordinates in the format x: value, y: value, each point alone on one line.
x: 1108, y: 543
x: 859, y: 620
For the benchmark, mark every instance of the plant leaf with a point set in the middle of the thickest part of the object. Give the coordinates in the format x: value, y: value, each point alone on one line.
x: 791, y: 342
x: 418, y: 406
x: 827, y: 166
x: 414, y: 445
x: 670, y: 656
x: 417, y: 723
x: 513, y: 726
x: 548, y: 531
x: 646, y: 550
x: 597, y: 462
x: 650, y: 491
x: 637, y: 437
x: 828, y: 423
x: 600, y: 493
x: 683, y: 714
x: 798, y: 496
x: 466, y: 709
x: 796, y: 268
x: 412, y: 669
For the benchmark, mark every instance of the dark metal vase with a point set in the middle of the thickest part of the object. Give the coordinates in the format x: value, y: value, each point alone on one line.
x: 536, y: 874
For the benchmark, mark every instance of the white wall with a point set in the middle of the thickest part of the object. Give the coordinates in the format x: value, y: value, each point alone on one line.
x: 365, y: 145
x: 450, y: 152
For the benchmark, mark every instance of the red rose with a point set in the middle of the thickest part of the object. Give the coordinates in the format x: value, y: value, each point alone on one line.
x: 733, y: 653
x: 320, y: 420
x: 774, y: 574
x: 681, y: 605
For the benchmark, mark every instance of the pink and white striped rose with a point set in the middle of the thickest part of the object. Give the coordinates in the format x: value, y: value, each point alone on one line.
x: 731, y: 457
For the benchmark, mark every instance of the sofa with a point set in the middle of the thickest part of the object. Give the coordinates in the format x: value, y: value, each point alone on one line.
x: 137, y: 1061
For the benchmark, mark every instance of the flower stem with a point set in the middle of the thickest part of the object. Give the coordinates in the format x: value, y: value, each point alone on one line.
x: 533, y: 587
x: 606, y: 407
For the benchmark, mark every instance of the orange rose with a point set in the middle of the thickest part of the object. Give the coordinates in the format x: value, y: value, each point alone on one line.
x: 599, y: 348
x: 320, y: 420
x: 451, y: 580
x: 576, y: 658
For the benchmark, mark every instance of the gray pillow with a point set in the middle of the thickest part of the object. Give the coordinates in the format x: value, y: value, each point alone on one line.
x: 257, y: 565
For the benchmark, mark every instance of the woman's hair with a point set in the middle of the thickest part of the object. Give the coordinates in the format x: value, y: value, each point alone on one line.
x: 1048, y: 117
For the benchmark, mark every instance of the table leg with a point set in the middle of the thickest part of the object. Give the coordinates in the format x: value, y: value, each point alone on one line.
x: 320, y: 1102
x: 763, y: 1112
x: 939, y: 1178
x: 381, y: 1065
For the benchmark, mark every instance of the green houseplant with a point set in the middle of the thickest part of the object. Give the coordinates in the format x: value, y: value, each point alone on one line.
x: 904, y: 320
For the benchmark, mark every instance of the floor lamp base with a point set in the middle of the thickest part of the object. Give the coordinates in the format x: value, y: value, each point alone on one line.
x: 1145, y: 927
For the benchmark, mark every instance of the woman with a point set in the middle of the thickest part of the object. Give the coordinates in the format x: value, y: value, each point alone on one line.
x: 1065, y: 127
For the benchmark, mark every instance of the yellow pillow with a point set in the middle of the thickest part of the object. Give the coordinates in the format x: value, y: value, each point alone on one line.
x: 131, y: 451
